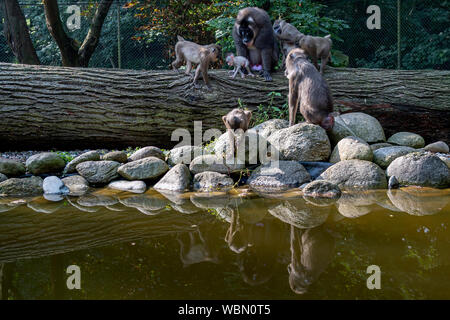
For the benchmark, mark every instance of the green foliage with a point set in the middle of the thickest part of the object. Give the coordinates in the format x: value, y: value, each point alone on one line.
x: 67, y: 157
x: 130, y: 150
x: 271, y: 111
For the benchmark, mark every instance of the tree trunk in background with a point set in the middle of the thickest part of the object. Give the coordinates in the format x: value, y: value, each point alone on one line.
x: 17, y: 34
x: 68, y: 108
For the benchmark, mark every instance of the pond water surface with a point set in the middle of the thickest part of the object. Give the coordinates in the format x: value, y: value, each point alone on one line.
x: 239, y: 245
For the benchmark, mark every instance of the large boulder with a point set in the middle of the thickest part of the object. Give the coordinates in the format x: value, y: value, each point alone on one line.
x: 384, y: 156
x: 22, y: 187
x: 54, y: 185
x: 357, y: 124
x: 184, y: 155
x: 278, y: 175
x: 147, y: 152
x: 118, y: 156
x: 268, y: 127
x: 355, y: 174
x: 77, y: 185
x: 252, y: 148
x: 146, y: 168
x: 93, y: 155
x: 407, y: 139
x: 209, y: 181
x: 302, y: 142
x: 177, y: 179
x: 351, y: 148
x: 98, y: 172
x: 420, y: 169
x: 46, y: 162
x: 11, y: 168
x: 214, y: 163
x: 130, y: 186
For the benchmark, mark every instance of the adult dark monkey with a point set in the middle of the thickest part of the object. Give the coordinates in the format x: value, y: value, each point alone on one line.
x: 254, y: 39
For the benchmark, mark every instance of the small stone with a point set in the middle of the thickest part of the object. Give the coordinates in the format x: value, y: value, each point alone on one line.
x: 209, y: 181
x: 46, y: 162
x: 393, y: 183
x: 351, y: 148
x: 322, y: 189
x: 54, y: 185
x: 147, y: 152
x: 118, y: 156
x: 146, y: 168
x: 439, y: 146
x: 177, y: 179
x: 87, y: 156
x: 384, y: 156
x: 11, y: 168
x: 130, y: 186
x: 408, y: 139
x: 77, y: 185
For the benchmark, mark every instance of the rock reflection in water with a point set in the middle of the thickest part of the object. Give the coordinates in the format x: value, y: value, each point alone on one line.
x: 417, y: 202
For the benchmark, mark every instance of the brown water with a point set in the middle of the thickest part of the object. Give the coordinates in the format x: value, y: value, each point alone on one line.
x: 227, y: 246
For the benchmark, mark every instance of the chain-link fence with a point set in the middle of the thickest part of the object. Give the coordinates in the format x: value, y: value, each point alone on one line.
x: 405, y: 34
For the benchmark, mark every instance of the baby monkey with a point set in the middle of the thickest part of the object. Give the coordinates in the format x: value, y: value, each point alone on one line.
x: 236, y: 122
x: 202, y: 55
x: 239, y: 63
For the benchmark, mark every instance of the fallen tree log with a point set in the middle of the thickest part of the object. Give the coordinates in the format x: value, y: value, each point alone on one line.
x: 66, y: 108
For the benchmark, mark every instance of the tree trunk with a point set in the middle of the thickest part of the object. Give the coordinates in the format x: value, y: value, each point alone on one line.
x: 17, y: 34
x: 68, y: 108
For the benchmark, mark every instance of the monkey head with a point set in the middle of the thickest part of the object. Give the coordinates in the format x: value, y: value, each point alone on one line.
x: 214, y: 51
x: 237, y: 119
x: 247, y: 31
x: 292, y: 58
x: 277, y: 26
x: 230, y: 59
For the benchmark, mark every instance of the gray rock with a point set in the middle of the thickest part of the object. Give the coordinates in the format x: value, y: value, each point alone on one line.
x: 147, y: 152
x: 118, y: 156
x: 380, y: 145
x: 322, y: 189
x: 214, y: 163
x: 393, y: 183
x: 96, y: 200
x: 11, y: 168
x: 439, y: 146
x: 357, y: 124
x: 384, y: 156
x: 420, y: 169
x: 351, y: 148
x: 300, y: 214
x: 130, y: 186
x: 46, y: 162
x: 268, y: 127
x: 98, y: 172
x: 356, y: 174
x: 77, y: 185
x: 87, y: 156
x: 445, y: 159
x: 54, y: 185
x: 302, y: 142
x: 407, y: 139
x: 184, y: 155
x: 416, y: 202
x: 3, y: 177
x: 278, y: 175
x: 252, y: 148
x: 146, y: 168
x: 22, y: 187
x: 209, y: 181
x: 177, y: 179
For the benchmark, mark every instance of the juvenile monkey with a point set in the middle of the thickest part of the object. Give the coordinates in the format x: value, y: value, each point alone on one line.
x: 236, y: 122
x: 315, y: 47
x: 309, y: 89
x: 239, y: 63
x: 202, y: 55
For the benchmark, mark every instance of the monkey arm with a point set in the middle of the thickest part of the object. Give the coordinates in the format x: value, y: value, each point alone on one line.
x: 266, y: 55
x: 293, y: 99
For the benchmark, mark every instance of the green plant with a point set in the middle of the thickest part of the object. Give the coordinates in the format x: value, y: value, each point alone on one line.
x: 271, y: 111
x: 67, y: 157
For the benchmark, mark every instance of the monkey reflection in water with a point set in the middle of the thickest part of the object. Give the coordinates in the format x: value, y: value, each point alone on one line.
x: 312, y: 250
x: 258, y: 246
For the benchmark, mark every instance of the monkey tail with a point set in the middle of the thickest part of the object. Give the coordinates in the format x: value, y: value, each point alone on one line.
x: 328, y: 36
x: 180, y: 38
